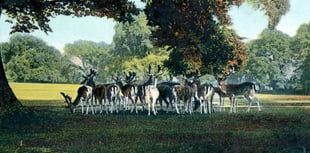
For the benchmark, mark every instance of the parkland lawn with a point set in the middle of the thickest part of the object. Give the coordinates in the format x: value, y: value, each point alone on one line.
x: 46, y: 125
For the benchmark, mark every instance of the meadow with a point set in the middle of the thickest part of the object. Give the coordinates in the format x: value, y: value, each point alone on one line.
x: 46, y: 125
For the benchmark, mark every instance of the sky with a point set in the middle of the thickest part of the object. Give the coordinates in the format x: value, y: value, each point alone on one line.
x: 247, y: 23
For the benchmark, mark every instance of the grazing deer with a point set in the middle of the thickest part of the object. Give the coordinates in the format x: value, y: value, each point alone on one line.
x: 84, y: 95
x: 247, y: 89
x: 151, y: 90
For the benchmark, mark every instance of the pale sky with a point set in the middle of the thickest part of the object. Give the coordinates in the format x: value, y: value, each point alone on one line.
x: 247, y: 22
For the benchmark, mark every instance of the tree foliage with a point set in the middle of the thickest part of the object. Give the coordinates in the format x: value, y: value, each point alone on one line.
x: 133, y: 39
x: 274, y: 9
x: 304, y: 80
x: 29, y: 59
x: 270, y: 61
x: 89, y: 55
x: 301, y: 55
x: 132, y: 49
x: 301, y: 42
x: 193, y: 30
x: 30, y: 15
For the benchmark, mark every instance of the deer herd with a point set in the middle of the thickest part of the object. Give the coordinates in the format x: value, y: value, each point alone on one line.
x: 182, y: 98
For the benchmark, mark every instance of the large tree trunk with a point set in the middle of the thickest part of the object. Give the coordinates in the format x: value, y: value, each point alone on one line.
x: 7, y: 97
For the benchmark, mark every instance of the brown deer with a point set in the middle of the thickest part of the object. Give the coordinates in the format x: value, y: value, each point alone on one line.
x: 221, y: 95
x: 125, y: 91
x: 184, y: 93
x: 247, y: 89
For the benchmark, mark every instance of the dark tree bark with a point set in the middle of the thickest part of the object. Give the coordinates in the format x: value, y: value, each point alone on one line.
x: 7, y: 96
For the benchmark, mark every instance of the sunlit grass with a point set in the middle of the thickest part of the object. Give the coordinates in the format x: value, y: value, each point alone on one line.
x: 284, y: 98
x: 36, y: 91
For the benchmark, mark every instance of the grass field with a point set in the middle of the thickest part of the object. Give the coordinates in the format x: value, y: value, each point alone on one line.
x: 45, y: 125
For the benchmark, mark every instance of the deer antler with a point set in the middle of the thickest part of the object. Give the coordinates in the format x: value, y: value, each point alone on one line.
x: 67, y: 97
x: 149, y: 68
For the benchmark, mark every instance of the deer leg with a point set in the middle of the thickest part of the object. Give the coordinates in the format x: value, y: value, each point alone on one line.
x: 82, y: 104
x: 257, y: 102
x: 177, y: 103
x: 167, y: 103
x: 201, y: 105
x: 153, y: 105
x: 149, y: 107
x: 191, y: 106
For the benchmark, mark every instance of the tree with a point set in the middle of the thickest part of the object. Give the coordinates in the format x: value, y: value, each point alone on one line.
x: 88, y: 55
x: 29, y: 59
x: 305, y: 76
x: 29, y: 15
x: 133, y: 39
x: 274, y: 9
x: 270, y: 60
x: 300, y: 47
x: 195, y: 32
x: 133, y: 47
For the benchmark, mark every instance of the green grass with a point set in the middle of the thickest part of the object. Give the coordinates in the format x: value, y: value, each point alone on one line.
x: 46, y: 125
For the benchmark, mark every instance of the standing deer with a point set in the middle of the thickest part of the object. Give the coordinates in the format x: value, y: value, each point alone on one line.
x: 151, y: 91
x: 203, y: 93
x: 84, y: 95
x: 247, y: 89
x: 125, y: 91
x: 166, y: 93
x: 184, y: 94
x: 221, y: 95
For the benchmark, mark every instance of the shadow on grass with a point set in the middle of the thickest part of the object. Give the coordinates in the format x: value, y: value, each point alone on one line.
x: 55, y: 129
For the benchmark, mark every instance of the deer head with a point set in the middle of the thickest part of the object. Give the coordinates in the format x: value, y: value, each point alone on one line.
x: 68, y: 100
x: 129, y: 79
x: 89, y: 78
x: 153, y: 76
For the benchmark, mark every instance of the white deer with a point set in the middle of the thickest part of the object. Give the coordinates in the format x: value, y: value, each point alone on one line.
x: 151, y: 90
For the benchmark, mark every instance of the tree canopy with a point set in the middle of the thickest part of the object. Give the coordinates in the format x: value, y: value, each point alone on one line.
x: 274, y: 9
x: 270, y: 61
x: 29, y: 59
x: 31, y: 15
x: 193, y: 31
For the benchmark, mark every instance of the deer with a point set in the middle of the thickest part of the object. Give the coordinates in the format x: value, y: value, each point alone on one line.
x: 203, y: 94
x: 166, y: 92
x: 89, y: 81
x: 84, y: 95
x: 247, y: 89
x: 151, y: 90
x: 125, y: 91
x: 221, y: 95
x: 185, y: 94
